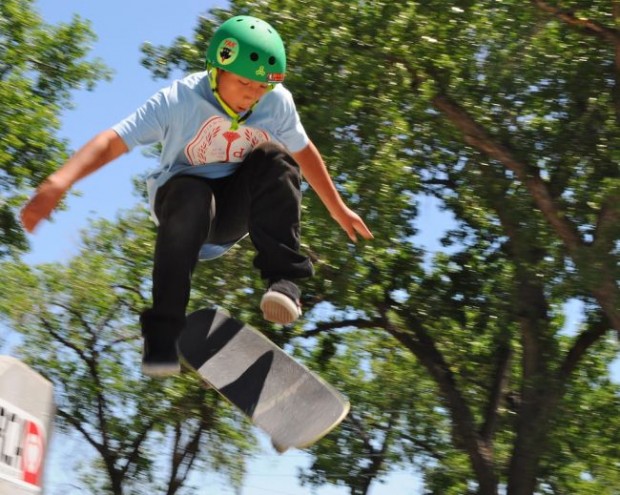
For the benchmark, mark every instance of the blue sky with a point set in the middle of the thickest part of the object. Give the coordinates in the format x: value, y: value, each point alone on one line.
x: 121, y: 27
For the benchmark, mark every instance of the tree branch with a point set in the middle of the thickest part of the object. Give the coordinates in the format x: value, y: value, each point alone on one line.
x: 500, y: 380
x: 588, y: 26
x: 90, y: 363
x: 419, y: 342
x: 327, y: 326
x: 476, y: 136
x: 362, y: 433
x: 77, y: 315
x: 425, y: 446
x: 593, y: 28
x: 606, y: 290
x: 69, y: 418
x: 607, y: 225
x: 583, y: 342
x: 49, y: 328
x: 134, y: 448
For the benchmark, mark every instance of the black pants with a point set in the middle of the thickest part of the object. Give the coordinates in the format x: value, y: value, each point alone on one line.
x: 262, y: 197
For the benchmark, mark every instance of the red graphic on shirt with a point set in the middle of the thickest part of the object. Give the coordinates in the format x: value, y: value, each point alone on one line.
x: 215, y: 142
x: 230, y: 137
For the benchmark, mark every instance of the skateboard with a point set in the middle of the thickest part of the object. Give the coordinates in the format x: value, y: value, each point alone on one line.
x: 286, y: 400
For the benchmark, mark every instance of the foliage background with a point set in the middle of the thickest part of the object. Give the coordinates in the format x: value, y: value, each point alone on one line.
x: 468, y: 106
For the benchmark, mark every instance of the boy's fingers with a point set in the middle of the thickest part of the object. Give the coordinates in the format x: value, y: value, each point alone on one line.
x: 29, y: 218
x: 353, y: 225
x: 39, y: 207
x: 363, y: 230
x: 359, y: 228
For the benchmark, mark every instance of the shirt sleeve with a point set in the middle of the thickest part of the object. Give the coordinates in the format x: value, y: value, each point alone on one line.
x: 291, y: 131
x: 148, y: 124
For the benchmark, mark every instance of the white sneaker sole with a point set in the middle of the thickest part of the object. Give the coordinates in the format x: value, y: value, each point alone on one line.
x: 279, y: 308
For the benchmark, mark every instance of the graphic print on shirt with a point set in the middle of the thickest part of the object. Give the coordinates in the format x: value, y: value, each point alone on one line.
x: 216, y: 143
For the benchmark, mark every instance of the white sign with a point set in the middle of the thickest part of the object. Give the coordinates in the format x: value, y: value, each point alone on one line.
x: 22, y: 446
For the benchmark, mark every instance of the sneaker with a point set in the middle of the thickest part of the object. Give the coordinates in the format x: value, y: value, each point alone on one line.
x: 159, y: 361
x: 280, y: 304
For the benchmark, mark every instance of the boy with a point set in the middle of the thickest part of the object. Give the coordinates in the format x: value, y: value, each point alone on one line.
x: 232, y: 150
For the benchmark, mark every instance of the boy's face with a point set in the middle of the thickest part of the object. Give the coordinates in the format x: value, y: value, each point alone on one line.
x: 238, y: 92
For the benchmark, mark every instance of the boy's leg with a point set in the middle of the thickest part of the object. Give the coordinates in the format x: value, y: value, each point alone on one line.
x: 265, y: 191
x: 184, y: 207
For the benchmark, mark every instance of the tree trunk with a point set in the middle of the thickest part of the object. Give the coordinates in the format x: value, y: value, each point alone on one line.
x: 539, y: 388
x: 480, y: 452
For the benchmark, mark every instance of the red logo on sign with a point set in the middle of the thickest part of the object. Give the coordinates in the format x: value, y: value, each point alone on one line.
x: 32, y: 458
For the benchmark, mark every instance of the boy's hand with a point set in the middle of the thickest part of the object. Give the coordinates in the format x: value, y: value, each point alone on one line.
x: 352, y: 224
x: 41, y: 205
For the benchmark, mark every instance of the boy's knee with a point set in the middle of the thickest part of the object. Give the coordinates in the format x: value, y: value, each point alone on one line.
x: 269, y: 148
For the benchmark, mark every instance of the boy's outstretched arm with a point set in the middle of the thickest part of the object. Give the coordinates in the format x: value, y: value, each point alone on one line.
x: 102, y: 149
x: 315, y: 172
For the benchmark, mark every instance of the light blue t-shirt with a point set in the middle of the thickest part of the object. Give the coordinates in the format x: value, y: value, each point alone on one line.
x: 195, y: 132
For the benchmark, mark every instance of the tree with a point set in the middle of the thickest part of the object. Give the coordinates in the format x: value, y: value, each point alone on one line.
x: 79, y: 328
x: 508, y: 113
x: 39, y: 66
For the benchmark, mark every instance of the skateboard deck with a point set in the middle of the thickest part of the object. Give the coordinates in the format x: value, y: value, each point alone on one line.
x: 283, y: 398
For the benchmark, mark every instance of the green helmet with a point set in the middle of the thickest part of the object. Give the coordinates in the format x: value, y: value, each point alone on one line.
x: 248, y: 47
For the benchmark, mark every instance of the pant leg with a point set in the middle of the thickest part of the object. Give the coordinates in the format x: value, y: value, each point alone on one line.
x: 185, y: 208
x: 264, y: 197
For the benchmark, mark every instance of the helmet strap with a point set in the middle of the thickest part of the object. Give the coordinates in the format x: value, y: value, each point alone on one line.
x: 236, y: 118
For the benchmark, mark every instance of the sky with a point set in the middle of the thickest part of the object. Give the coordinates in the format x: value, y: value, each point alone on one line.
x: 122, y: 26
